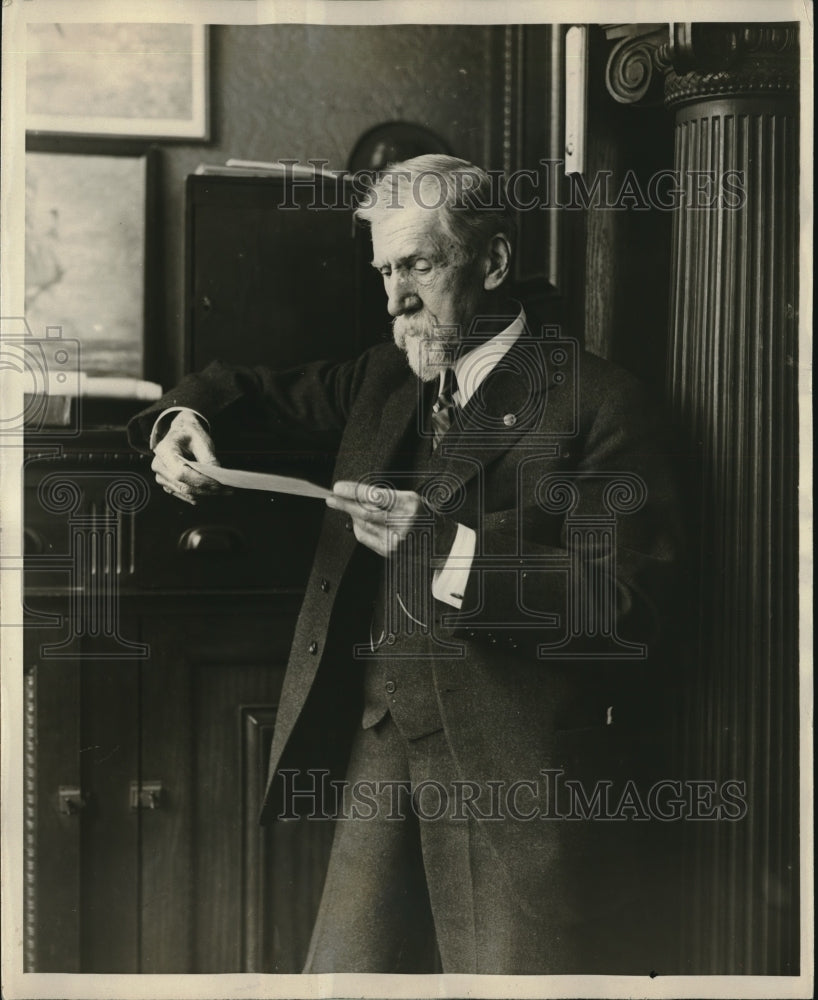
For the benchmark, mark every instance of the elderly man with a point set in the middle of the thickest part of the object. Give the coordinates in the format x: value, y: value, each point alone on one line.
x: 484, y: 610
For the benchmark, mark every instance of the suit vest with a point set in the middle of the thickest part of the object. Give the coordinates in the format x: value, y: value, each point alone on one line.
x: 398, y: 678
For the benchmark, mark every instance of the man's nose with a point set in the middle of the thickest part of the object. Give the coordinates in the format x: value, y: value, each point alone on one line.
x: 401, y: 296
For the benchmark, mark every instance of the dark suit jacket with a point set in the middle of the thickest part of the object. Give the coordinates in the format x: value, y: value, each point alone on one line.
x: 560, y: 466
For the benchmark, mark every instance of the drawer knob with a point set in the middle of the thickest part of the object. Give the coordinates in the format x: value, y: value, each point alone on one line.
x: 33, y: 542
x: 211, y: 539
x: 71, y: 800
x: 145, y: 794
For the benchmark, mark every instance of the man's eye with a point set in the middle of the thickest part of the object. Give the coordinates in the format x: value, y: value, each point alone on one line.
x: 422, y: 266
x: 385, y: 271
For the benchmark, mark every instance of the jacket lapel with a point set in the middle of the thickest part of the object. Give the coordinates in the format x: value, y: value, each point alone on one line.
x: 508, y: 404
x: 371, y: 449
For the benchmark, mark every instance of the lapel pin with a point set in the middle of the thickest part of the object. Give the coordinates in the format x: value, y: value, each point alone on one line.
x: 510, y: 419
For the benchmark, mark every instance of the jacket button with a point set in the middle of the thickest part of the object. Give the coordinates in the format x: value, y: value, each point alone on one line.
x: 510, y: 419
x: 325, y: 586
x: 391, y: 639
x: 390, y: 687
x: 313, y: 647
x: 348, y: 524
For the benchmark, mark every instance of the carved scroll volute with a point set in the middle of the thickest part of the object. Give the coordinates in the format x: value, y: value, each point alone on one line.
x: 637, y: 63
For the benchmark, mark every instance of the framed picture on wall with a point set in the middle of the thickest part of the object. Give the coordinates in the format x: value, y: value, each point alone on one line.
x: 86, y: 254
x: 136, y: 80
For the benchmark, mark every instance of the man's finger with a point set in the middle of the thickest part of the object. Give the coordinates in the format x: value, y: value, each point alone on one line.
x: 183, y: 475
x: 173, y: 489
x: 357, y: 510
x: 173, y: 464
x: 372, y: 495
x: 369, y: 535
x: 347, y: 489
x: 173, y: 485
x: 201, y: 481
x: 180, y: 477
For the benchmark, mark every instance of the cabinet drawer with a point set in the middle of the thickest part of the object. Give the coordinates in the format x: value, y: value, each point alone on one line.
x: 93, y: 518
x: 242, y: 541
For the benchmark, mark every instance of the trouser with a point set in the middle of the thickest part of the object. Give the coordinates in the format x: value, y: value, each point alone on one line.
x: 401, y: 876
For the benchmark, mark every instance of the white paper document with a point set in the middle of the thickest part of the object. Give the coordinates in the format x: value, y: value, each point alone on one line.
x: 270, y: 483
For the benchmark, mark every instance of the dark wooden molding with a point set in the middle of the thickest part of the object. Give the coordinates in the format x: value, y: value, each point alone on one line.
x: 30, y: 821
x: 525, y: 132
x: 257, y: 724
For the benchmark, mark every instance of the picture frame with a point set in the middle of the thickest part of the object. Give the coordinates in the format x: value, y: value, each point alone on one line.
x: 88, y: 258
x: 127, y: 80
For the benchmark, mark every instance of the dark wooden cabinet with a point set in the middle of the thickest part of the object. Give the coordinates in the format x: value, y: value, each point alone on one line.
x: 277, y: 272
x: 149, y: 722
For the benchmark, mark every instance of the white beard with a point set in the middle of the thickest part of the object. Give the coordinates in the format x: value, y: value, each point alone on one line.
x: 429, y: 349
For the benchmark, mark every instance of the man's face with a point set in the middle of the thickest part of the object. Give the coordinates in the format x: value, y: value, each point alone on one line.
x: 433, y: 289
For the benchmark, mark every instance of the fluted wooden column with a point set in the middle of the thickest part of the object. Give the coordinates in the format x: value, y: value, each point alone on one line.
x: 732, y: 386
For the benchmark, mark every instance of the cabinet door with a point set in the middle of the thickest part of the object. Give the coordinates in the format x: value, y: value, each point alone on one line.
x: 82, y: 838
x: 214, y: 886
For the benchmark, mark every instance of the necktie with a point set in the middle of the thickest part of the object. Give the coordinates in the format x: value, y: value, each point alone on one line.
x: 443, y: 409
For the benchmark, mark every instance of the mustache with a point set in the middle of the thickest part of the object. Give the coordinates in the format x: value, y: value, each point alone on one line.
x: 418, y: 324
x: 429, y: 348
x: 424, y: 326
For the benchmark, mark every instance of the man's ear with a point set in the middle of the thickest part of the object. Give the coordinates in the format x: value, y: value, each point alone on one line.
x: 497, y: 262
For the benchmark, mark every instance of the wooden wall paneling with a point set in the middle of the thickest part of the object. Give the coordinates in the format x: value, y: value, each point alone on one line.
x: 626, y: 276
x: 533, y: 132
x: 524, y: 126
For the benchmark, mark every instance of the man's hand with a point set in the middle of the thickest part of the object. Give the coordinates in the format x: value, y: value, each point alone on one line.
x: 382, y: 518
x: 185, y: 438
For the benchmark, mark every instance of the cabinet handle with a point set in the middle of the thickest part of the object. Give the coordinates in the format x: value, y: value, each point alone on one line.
x: 70, y: 799
x: 210, y: 539
x: 33, y: 542
x: 145, y: 794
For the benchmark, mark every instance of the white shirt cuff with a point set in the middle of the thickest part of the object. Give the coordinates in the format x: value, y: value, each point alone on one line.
x: 449, y: 583
x: 158, y: 431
